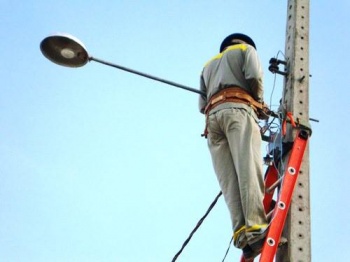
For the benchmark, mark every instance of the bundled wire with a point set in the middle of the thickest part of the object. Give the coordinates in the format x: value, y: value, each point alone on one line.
x: 196, y: 227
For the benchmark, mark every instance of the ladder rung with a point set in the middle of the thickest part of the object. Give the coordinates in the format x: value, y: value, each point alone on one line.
x: 269, y: 215
x: 274, y: 185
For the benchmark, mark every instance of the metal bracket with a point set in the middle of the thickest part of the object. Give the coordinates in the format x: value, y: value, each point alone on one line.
x: 274, y: 66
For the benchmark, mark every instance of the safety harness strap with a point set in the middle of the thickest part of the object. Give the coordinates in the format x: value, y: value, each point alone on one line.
x: 233, y: 94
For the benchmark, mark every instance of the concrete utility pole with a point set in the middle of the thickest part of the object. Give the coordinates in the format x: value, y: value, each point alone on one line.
x: 296, y: 100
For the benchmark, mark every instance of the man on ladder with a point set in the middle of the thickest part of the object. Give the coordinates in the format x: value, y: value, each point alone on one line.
x: 232, y: 82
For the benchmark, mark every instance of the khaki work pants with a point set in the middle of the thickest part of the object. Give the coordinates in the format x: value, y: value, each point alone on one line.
x: 234, y: 142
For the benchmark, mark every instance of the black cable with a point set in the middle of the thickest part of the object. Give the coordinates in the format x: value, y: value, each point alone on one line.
x: 197, y: 226
x: 228, y: 249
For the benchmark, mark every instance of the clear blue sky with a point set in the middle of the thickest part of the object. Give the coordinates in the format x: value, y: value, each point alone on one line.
x: 100, y: 165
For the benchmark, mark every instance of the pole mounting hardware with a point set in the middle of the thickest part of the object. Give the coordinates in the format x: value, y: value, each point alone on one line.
x: 274, y: 66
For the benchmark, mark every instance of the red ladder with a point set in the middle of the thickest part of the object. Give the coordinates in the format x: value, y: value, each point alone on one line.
x: 280, y: 210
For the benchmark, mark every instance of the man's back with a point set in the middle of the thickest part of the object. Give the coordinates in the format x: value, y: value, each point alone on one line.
x: 237, y: 66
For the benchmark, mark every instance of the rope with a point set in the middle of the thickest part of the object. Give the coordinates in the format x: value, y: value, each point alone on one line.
x: 196, y: 227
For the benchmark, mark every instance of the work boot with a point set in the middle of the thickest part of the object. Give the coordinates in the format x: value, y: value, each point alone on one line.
x: 253, y: 249
x: 249, y: 254
x: 258, y: 245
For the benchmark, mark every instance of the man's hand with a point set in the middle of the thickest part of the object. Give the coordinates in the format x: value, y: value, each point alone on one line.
x: 264, y: 113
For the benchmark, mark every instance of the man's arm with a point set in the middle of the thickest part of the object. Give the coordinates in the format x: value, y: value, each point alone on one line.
x: 202, y: 99
x: 254, y: 74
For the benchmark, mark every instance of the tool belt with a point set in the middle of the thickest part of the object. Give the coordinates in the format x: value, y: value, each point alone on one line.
x: 233, y: 94
x: 237, y: 95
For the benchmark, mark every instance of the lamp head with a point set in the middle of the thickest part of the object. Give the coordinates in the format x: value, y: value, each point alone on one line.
x: 65, y: 50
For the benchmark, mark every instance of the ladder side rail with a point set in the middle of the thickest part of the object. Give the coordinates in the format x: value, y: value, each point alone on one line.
x: 285, y: 196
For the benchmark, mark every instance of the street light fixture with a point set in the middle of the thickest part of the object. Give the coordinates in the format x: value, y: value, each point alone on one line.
x: 67, y: 50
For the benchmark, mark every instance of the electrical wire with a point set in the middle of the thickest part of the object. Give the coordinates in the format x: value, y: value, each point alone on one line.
x: 275, y: 77
x: 196, y: 227
x: 228, y: 249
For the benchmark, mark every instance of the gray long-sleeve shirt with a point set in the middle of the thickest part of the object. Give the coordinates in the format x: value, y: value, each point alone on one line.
x: 238, y: 65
